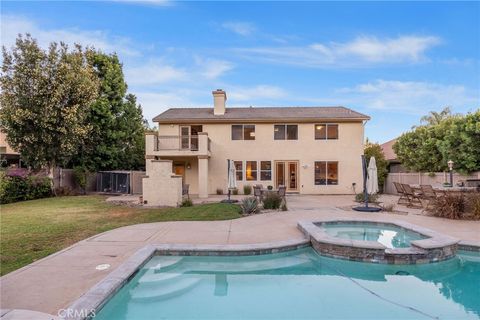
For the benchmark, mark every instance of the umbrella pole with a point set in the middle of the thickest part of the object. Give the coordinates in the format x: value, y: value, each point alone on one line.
x: 365, y: 192
x: 228, y: 174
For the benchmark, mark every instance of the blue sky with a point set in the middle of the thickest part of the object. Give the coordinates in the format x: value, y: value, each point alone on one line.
x: 393, y: 61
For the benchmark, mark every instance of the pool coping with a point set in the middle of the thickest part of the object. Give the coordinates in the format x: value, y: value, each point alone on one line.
x: 436, y: 247
x: 97, y: 296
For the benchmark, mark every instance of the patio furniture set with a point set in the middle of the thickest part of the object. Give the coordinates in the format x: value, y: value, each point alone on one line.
x: 259, y: 192
x: 424, y: 196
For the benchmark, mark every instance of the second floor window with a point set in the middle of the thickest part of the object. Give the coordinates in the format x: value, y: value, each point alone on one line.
x: 285, y: 132
x: 243, y: 132
x: 326, y: 131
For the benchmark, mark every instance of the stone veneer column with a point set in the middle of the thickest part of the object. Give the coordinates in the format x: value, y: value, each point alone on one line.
x: 203, y: 177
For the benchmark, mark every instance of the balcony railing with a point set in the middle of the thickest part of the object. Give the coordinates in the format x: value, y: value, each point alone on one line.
x: 178, y: 145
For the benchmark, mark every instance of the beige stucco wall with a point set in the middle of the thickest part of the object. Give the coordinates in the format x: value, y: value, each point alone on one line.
x: 160, y: 186
x: 346, y: 150
x: 3, y: 143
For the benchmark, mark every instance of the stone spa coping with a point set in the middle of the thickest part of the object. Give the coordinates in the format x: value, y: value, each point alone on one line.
x: 436, y: 246
x: 94, y: 299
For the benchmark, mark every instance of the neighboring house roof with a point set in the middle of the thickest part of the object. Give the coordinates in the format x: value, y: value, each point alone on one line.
x: 253, y: 114
x: 387, y: 148
x: 4, y: 146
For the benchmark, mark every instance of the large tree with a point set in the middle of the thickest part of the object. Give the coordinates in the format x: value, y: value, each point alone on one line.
x: 116, y: 139
x: 45, y: 98
x: 428, y: 148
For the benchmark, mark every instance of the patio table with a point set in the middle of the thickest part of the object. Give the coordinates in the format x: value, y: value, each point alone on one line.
x: 441, y: 188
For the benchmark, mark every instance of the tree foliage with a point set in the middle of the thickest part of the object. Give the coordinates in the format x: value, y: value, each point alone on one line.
x: 116, y: 139
x: 69, y: 108
x: 45, y: 98
x: 430, y: 147
x: 375, y: 150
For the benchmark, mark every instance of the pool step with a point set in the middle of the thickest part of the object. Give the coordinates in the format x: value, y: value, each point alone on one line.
x: 151, y: 277
x: 163, y: 291
x: 164, y: 263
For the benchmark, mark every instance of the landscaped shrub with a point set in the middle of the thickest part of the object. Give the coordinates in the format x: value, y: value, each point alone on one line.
x: 19, y: 188
x: 186, y: 203
x: 249, y: 205
x: 451, y: 206
x: 235, y: 191
x: 247, y: 189
x: 360, y: 197
x: 272, y: 201
x: 473, y: 205
x: 80, y: 175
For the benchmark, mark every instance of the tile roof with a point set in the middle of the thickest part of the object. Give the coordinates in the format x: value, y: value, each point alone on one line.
x: 260, y: 114
x: 387, y: 149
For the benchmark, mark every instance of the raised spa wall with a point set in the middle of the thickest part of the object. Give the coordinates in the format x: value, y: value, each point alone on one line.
x: 436, y: 247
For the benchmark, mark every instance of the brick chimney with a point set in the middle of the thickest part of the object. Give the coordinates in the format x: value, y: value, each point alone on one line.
x: 219, y: 99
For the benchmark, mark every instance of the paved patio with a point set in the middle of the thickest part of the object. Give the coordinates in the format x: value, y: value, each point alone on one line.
x: 56, y: 281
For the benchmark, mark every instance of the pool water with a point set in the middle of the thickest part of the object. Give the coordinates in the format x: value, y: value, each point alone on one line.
x: 297, y: 284
x: 388, y: 235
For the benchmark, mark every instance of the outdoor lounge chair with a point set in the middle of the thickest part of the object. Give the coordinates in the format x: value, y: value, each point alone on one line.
x: 403, y: 196
x: 430, y: 196
x: 414, y: 200
x: 185, y: 191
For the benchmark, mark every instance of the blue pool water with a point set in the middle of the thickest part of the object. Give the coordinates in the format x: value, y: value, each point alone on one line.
x: 298, y: 284
x: 388, y: 235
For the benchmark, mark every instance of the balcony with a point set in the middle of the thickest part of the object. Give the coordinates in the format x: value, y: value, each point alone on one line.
x: 177, y: 146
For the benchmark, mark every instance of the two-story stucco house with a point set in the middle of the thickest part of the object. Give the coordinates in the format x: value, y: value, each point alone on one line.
x: 310, y: 150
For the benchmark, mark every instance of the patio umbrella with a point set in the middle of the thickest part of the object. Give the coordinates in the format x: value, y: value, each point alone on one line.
x: 231, y: 180
x: 372, y: 179
x: 232, y: 175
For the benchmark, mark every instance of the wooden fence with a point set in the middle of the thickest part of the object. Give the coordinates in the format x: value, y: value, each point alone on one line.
x: 424, y: 178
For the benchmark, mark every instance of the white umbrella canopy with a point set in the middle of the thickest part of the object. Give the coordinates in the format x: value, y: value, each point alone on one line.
x: 372, y: 179
x: 232, y: 175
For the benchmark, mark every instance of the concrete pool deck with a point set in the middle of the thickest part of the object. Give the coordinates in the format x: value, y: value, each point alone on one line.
x: 54, y: 282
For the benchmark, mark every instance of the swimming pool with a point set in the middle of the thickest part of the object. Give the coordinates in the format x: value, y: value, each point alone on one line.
x: 389, y: 235
x: 298, y: 284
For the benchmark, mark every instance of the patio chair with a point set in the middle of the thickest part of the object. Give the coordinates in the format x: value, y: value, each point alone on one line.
x: 414, y: 200
x: 185, y: 191
x: 257, y: 192
x: 403, y: 196
x: 430, y: 195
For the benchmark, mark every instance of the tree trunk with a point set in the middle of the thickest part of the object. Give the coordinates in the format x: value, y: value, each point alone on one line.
x: 50, y: 171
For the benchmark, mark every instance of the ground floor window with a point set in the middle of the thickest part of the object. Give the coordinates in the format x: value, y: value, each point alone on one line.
x: 265, y: 170
x: 239, y: 170
x: 251, y: 170
x: 326, y: 172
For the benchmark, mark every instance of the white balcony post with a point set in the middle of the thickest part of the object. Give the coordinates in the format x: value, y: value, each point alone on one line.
x: 203, y: 177
x: 203, y: 143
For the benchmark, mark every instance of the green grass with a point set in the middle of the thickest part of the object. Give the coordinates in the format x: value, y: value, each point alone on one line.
x: 31, y: 230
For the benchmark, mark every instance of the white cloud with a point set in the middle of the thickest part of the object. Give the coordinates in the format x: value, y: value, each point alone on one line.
x: 212, y: 68
x: 153, y: 73
x: 240, y: 28
x: 361, y: 51
x: 254, y: 94
x: 12, y: 25
x: 411, y: 97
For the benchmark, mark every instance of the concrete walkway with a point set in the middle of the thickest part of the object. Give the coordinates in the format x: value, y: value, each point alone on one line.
x: 56, y: 281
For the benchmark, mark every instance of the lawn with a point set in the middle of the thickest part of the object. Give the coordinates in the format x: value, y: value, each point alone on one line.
x: 31, y: 230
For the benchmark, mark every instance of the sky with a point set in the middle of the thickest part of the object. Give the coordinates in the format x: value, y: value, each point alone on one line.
x: 394, y: 61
